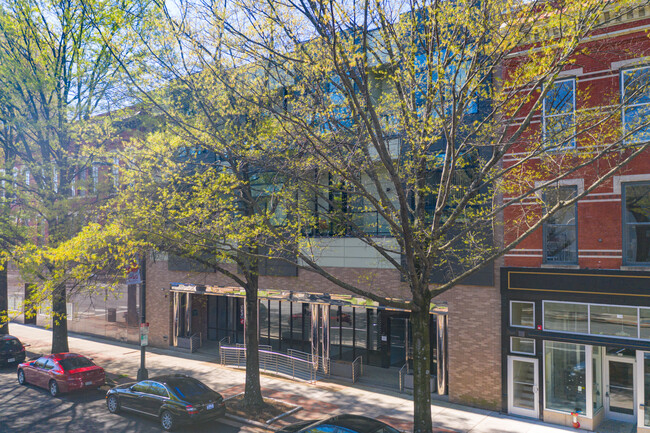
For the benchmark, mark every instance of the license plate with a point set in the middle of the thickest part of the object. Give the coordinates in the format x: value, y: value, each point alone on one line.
x: 89, y: 383
x: 210, y: 406
x: 11, y: 360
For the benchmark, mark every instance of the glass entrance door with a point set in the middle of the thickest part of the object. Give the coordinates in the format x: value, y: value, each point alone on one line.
x: 523, y: 386
x: 620, y: 378
x: 398, y: 341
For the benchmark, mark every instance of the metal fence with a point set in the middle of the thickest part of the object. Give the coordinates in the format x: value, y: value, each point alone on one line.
x: 295, y: 365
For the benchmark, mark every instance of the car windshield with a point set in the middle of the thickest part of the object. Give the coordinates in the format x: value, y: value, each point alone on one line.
x: 187, y: 388
x: 73, y: 363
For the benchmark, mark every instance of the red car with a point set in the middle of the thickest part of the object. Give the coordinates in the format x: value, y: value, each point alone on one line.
x: 61, y: 372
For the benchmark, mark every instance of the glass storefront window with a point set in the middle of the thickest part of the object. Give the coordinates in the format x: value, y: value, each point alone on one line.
x: 644, y: 325
x: 597, y: 372
x: 564, y: 376
x: 274, y: 324
x: 296, y: 325
x: 335, y: 332
x: 522, y: 345
x: 612, y: 320
x: 566, y: 317
x: 285, y: 325
x: 522, y: 314
x: 646, y: 388
x: 347, y: 333
x: 360, y: 328
x: 373, y: 338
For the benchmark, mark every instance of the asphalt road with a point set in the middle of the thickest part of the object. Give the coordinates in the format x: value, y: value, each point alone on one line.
x: 31, y: 409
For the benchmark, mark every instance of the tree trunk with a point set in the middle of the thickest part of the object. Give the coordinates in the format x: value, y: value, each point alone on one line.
x: 421, y: 367
x: 252, y: 391
x: 4, y: 301
x: 59, y: 321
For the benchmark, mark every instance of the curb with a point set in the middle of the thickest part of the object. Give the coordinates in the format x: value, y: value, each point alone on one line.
x: 249, y: 422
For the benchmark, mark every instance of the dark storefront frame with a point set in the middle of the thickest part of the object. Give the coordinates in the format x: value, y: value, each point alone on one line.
x: 585, y: 286
x: 291, y: 328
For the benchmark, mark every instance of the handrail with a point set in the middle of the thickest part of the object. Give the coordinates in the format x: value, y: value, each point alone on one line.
x: 357, y: 368
x: 277, y: 363
x: 225, y: 340
x: 401, y: 376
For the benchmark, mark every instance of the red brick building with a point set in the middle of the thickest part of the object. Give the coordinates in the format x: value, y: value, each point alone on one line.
x: 576, y: 293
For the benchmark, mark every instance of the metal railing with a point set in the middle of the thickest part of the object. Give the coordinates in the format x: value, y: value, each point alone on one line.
x: 259, y: 346
x: 402, y: 373
x: 322, y: 365
x: 294, y: 367
x: 357, y: 368
x: 224, y: 342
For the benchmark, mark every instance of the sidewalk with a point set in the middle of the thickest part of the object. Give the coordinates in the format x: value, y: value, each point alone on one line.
x: 318, y: 400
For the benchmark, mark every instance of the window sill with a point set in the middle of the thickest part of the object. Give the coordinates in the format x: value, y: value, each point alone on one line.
x: 559, y: 266
x: 636, y: 268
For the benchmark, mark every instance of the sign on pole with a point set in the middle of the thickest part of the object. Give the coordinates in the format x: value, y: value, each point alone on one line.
x: 133, y: 277
x: 144, y: 334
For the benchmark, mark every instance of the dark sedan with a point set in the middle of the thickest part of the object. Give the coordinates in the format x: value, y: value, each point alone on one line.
x: 174, y: 400
x: 340, y: 424
x: 11, y: 350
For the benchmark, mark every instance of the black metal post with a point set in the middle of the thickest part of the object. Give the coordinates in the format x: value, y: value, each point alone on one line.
x: 142, y: 371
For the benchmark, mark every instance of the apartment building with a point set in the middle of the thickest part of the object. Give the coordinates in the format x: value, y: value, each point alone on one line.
x: 576, y: 293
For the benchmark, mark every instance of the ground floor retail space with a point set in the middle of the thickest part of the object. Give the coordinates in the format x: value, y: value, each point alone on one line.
x: 341, y: 328
x: 576, y: 346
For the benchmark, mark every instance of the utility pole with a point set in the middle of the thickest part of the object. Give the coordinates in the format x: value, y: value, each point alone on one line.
x: 144, y: 326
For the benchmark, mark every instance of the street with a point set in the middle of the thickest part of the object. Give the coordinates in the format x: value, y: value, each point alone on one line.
x: 32, y: 409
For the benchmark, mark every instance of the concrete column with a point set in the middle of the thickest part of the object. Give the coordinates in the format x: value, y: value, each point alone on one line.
x: 314, y: 310
x: 325, y: 327
x: 441, y: 353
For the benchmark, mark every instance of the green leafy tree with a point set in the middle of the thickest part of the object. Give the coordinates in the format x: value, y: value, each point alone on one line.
x: 386, y: 118
x: 56, y: 73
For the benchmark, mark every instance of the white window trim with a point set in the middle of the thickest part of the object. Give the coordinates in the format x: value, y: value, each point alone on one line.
x: 533, y: 353
x: 589, y: 304
x: 630, y: 178
x: 522, y: 326
x: 588, y: 380
x: 578, y: 183
x: 622, y: 92
x: 573, y: 145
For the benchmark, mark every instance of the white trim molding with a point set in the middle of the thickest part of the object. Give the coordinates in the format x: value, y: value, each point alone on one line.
x: 618, y: 180
x: 614, y: 66
x: 578, y: 183
x: 570, y: 73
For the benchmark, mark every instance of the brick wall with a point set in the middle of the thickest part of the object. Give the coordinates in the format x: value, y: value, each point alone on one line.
x: 474, y: 345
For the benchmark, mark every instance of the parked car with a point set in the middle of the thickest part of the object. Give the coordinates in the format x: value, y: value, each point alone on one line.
x: 61, y: 372
x: 11, y: 350
x: 173, y: 399
x: 340, y: 424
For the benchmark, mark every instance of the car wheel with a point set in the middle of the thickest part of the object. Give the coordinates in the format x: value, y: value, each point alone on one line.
x: 54, y: 388
x: 21, y: 377
x: 167, y: 420
x: 113, y: 404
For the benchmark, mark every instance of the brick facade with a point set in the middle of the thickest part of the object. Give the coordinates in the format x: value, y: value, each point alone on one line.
x: 474, y: 345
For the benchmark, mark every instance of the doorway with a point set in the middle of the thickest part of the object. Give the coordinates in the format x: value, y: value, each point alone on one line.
x: 620, y: 395
x: 399, y: 341
x: 523, y: 386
